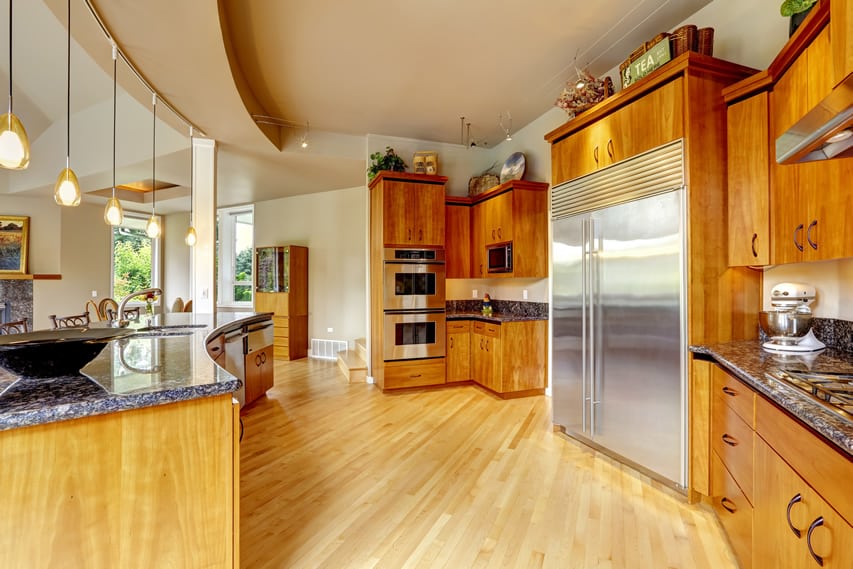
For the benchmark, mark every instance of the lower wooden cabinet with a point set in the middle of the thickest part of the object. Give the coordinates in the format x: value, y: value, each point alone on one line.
x: 259, y: 367
x: 458, y: 350
x: 733, y: 510
x: 414, y: 373
x: 510, y: 357
x: 485, y: 355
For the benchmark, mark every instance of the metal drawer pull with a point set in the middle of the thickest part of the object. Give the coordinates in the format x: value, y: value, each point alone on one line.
x: 815, y: 524
x: 413, y: 376
x: 729, y: 391
x: 812, y: 225
x: 754, y: 239
x: 729, y: 508
x: 595, y: 155
x: 610, y: 151
x: 794, y: 500
x: 798, y: 244
x: 729, y: 440
x: 451, y: 343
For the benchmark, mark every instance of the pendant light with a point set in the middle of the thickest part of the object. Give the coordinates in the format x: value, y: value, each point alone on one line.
x: 113, y: 214
x: 190, y: 238
x: 153, y: 227
x: 67, y: 190
x: 14, y: 144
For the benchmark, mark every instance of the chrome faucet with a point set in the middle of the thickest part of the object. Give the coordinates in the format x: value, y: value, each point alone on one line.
x: 120, y: 322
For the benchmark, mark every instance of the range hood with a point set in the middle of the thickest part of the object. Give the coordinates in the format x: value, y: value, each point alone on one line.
x: 824, y: 132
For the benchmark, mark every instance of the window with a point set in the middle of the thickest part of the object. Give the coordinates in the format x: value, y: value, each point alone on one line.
x: 135, y: 257
x: 234, y: 256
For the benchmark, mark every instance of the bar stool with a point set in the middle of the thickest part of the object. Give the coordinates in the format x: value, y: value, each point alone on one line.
x: 72, y: 321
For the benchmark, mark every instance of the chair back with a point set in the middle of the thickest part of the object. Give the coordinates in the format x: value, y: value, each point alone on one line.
x: 188, y: 307
x: 127, y: 313
x: 70, y: 321
x: 14, y: 327
x: 178, y: 305
x: 104, y: 306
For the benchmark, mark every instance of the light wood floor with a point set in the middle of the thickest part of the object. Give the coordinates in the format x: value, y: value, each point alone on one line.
x: 339, y: 476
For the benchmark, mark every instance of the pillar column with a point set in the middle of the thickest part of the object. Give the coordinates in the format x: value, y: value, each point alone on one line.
x: 202, y: 266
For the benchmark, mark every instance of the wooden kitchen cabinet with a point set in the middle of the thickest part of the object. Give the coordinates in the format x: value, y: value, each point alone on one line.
x: 414, y: 373
x: 479, y: 264
x: 841, y: 31
x: 749, y: 181
x: 497, y: 218
x: 260, y: 372
x: 413, y: 209
x: 496, y: 362
x: 458, y: 360
x: 457, y: 239
x: 485, y: 354
x: 732, y: 427
x: 290, y: 309
x: 733, y: 510
x: 645, y: 123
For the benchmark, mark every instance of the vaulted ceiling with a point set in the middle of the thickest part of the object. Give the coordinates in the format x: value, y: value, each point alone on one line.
x: 405, y: 68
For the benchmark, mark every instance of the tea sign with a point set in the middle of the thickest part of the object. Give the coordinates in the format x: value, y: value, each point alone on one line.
x: 646, y: 63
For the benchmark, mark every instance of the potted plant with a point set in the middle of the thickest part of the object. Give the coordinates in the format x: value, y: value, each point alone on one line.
x: 797, y: 10
x: 387, y: 161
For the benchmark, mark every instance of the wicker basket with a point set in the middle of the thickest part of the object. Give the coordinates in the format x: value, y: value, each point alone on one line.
x: 683, y: 39
x: 635, y: 55
x: 479, y: 184
x: 705, y: 40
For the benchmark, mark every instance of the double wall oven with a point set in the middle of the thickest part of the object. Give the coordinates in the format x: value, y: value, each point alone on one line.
x: 414, y: 304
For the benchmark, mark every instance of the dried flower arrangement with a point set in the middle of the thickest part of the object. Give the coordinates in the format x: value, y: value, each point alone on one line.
x: 576, y: 100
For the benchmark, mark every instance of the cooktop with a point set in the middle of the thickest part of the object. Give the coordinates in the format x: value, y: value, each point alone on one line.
x: 832, y: 390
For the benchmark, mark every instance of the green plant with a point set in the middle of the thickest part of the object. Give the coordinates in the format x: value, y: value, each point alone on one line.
x: 791, y: 7
x: 387, y: 161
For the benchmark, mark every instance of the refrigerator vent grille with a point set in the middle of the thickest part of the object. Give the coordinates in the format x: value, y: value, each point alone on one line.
x: 654, y: 172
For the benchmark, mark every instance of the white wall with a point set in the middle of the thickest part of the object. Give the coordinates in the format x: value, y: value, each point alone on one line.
x: 333, y: 225
x: 176, y: 259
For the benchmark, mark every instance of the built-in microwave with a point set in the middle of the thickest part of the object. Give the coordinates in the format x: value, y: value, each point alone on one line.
x: 500, y: 257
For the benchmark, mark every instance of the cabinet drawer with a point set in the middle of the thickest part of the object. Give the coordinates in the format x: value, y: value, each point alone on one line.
x: 731, y: 439
x: 458, y: 326
x: 281, y: 322
x: 487, y: 329
x: 281, y: 342
x: 414, y: 373
x: 733, y: 510
x: 734, y: 394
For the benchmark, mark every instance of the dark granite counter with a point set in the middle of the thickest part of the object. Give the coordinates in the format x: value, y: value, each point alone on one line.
x: 503, y: 311
x: 129, y: 373
x: 750, y: 363
x: 494, y: 317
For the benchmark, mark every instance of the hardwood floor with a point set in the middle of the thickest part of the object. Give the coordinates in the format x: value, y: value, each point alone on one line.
x: 338, y: 475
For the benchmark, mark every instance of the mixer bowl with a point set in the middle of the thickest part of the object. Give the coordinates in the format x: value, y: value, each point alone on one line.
x: 785, y: 323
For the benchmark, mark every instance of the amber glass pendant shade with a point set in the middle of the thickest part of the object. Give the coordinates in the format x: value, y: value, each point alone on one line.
x: 67, y: 190
x: 14, y: 144
x: 191, y: 237
x: 152, y: 229
x: 113, y: 214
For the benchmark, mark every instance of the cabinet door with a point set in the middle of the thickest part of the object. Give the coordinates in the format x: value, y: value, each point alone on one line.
x: 395, y: 215
x: 478, y: 242
x: 530, y: 234
x: 650, y: 121
x: 457, y: 241
x: 413, y: 214
x: 841, y: 30
x: 785, y: 504
x: 528, y: 372
x: 498, y: 218
x: 458, y: 351
x: 733, y: 510
x: 572, y: 157
x: 749, y: 181
x: 267, y: 369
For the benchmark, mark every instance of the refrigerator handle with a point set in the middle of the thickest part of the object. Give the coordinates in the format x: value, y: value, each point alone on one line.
x: 584, y: 321
x: 594, y: 322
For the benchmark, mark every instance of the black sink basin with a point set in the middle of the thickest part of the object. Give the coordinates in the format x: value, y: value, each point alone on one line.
x: 54, y: 353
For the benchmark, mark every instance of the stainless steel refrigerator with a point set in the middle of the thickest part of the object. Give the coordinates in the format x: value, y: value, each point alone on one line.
x: 619, y: 319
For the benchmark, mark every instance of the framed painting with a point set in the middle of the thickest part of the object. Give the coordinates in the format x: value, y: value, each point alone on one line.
x: 14, y: 242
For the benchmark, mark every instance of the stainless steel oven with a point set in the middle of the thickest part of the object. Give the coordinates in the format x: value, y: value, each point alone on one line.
x: 414, y: 279
x: 412, y: 335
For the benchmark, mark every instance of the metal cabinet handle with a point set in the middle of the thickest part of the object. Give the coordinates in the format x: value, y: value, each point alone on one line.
x: 409, y: 235
x: 754, y: 239
x: 729, y: 391
x: 258, y: 361
x: 794, y: 500
x: 610, y: 151
x: 215, y: 349
x: 499, y: 233
x: 729, y: 440
x: 812, y: 225
x: 798, y: 243
x: 414, y: 375
x: 420, y: 234
x: 487, y: 344
x: 451, y: 343
x: 493, y: 234
x: 595, y: 155
x: 481, y: 343
x: 263, y: 357
x: 728, y: 505
x: 815, y: 524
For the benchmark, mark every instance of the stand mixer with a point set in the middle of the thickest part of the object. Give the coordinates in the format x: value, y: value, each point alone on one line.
x: 789, y: 323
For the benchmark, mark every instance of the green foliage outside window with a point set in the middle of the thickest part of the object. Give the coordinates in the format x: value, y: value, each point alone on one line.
x: 132, y: 261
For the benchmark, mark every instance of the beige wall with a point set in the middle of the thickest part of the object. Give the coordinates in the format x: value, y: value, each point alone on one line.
x: 333, y: 225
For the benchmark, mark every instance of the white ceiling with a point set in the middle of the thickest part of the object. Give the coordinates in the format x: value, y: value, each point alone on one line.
x: 401, y: 68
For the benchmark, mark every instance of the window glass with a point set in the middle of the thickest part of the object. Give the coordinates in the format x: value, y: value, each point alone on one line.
x: 134, y: 257
x: 235, y: 256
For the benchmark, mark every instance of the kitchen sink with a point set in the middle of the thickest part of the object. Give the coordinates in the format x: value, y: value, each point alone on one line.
x: 188, y: 327
x: 159, y: 333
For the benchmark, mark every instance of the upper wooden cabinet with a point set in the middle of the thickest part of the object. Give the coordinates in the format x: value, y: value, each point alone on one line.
x: 516, y: 212
x: 457, y: 238
x: 412, y: 208
x: 644, y: 124
x: 749, y: 181
x: 841, y: 29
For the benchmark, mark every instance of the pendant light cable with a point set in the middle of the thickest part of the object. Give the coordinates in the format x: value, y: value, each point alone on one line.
x: 191, y: 237
x: 14, y: 143
x: 113, y: 214
x: 66, y: 192
x: 153, y: 227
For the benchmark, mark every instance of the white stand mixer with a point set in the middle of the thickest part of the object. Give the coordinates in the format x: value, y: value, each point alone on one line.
x: 789, y: 323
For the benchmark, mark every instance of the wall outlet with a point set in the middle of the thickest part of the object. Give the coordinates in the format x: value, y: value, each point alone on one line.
x: 94, y: 294
x: 524, y: 294
x: 330, y: 330
x: 474, y: 293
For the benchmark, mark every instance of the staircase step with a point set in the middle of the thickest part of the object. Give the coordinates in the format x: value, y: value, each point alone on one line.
x: 361, y: 348
x: 353, y: 366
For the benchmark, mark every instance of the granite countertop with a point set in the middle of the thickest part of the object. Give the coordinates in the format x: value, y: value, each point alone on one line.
x: 129, y: 373
x: 495, y: 317
x: 750, y: 363
x: 502, y: 311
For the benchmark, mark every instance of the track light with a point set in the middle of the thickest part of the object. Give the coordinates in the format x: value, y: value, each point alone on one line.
x: 507, y: 130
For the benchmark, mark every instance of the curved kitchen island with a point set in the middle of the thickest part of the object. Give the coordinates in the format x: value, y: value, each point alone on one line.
x: 133, y: 464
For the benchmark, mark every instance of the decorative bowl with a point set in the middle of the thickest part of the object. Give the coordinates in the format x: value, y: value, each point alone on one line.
x: 54, y: 353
